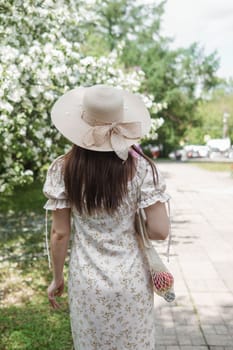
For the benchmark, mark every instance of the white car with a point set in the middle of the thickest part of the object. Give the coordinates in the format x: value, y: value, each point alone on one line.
x: 196, y: 151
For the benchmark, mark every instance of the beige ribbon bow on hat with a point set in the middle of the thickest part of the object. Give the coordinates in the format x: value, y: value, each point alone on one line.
x: 117, y: 132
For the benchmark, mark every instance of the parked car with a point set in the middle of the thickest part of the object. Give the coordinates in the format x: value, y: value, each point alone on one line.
x: 152, y: 150
x: 196, y: 151
x: 219, y: 148
x: 178, y: 154
x: 215, y: 153
x: 230, y: 153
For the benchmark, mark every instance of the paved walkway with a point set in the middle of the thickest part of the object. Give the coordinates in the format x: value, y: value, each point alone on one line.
x: 201, y: 261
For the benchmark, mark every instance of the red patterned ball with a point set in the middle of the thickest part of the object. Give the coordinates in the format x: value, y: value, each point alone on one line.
x: 163, y: 281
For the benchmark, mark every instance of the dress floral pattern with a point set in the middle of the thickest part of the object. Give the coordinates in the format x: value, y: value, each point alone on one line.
x: 110, y: 293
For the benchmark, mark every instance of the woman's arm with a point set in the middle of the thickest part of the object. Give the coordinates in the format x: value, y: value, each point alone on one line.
x: 60, y: 234
x: 157, y: 221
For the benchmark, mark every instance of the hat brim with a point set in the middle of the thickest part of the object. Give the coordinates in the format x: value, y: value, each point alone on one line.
x: 67, y: 111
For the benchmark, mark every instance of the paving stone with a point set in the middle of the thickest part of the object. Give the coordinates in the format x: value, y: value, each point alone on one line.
x: 187, y: 329
x: 208, y: 329
x: 223, y: 299
x: 214, y: 285
x: 197, y: 284
x: 159, y: 329
x: 199, y: 270
x: 184, y: 339
x: 230, y: 328
x: 202, y: 256
x: 193, y: 347
x: 197, y: 338
x: 227, y: 316
x: 211, y: 316
x: 221, y: 340
x: 169, y: 330
x: 211, y: 321
x: 221, y: 347
x: 204, y: 298
x: 167, y: 340
x: 221, y: 329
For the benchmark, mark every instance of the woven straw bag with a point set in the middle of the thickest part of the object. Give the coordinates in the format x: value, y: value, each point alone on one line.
x: 162, y: 279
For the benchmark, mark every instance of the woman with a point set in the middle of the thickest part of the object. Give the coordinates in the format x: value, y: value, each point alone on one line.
x: 101, y: 184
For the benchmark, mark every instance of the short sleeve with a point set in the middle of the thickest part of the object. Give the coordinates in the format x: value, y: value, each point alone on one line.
x: 149, y: 193
x: 54, y: 187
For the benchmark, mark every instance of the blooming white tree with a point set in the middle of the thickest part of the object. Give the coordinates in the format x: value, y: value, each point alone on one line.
x: 41, y: 58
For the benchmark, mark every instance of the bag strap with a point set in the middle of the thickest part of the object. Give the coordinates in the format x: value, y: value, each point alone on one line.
x: 141, y: 214
x: 142, y: 228
x: 169, y: 232
x: 46, y: 238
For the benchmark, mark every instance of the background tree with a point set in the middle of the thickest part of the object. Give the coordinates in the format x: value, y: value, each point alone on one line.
x: 210, y: 113
x: 40, y: 58
x: 176, y: 77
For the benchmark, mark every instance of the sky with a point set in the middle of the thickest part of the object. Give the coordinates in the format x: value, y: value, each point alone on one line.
x: 209, y: 22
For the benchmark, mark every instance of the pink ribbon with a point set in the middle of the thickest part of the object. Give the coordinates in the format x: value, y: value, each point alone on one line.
x: 117, y: 132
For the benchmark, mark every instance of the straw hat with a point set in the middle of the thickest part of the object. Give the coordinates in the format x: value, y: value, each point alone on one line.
x: 101, y: 118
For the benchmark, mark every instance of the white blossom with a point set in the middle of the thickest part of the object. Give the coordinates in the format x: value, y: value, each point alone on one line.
x: 48, y: 142
x: 48, y: 95
x: 8, y: 161
x: 6, y: 106
x: 36, y: 69
x: 23, y: 131
x: 3, y: 118
x: 28, y: 172
x: 87, y: 61
x: 16, y: 94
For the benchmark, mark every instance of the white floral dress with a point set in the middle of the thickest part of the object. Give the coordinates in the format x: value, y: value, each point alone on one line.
x: 109, y: 287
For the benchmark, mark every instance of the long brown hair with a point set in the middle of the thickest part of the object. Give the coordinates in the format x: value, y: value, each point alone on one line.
x: 98, y: 180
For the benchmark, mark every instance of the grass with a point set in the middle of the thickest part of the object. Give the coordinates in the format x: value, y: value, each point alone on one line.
x: 216, y: 166
x: 39, y: 331
x: 210, y: 166
x: 23, y: 199
x: 26, y: 319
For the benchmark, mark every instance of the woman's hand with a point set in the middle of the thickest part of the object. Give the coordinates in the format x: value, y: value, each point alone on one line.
x: 55, y: 289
